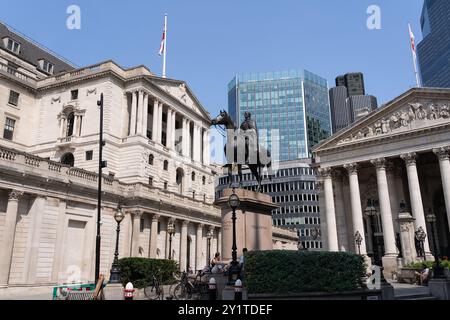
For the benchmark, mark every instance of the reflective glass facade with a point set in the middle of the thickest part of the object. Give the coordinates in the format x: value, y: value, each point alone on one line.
x: 291, y: 106
x: 434, y: 49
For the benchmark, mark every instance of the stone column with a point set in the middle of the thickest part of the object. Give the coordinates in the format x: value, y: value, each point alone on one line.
x: 75, y: 126
x: 137, y: 214
x: 444, y: 165
x: 155, y: 121
x: 63, y: 124
x: 140, y: 107
x: 340, y: 213
x: 199, y: 242
x: 169, y: 128
x: 160, y: 124
x: 196, y: 149
x: 183, y: 245
x: 185, y: 137
x: 145, y: 116
x: 330, y: 212
x: 219, y: 241
x: 355, y: 199
x: 174, y: 130
x: 416, y: 197
x: 133, y: 113
x: 154, y: 237
x: 390, y: 249
x: 9, y: 231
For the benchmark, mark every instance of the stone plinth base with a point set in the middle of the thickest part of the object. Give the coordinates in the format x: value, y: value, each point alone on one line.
x: 113, y: 292
x: 253, y: 222
x: 390, y: 265
x: 440, y: 288
x: 228, y: 293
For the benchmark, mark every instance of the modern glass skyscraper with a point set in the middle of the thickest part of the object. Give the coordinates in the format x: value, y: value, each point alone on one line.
x: 434, y: 49
x: 290, y: 106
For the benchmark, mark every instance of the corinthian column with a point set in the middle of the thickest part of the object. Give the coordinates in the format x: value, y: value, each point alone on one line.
x: 390, y: 256
x: 133, y: 113
x: 183, y: 245
x: 416, y: 196
x: 330, y: 212
x: 9, y: 231
x: 199, y: 242
x: 155, y: 121
x: 154, y: 237
x: 139, y: 113
x: 136, y: 233
x: 145, y: 116
x: 444, y: 165
x: 355, y: 199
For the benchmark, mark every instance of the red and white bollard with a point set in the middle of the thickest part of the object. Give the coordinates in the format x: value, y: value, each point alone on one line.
x: 238, y: 290
x: 129, y: 291
x: 212, y: 289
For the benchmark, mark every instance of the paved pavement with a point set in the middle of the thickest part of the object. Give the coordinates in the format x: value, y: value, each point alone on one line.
x: 22, y: 293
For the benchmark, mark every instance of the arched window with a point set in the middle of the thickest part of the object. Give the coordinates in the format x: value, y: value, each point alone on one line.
x: 179, y: 180
x: 193, y: 176
x: 70, y: 122
x: 166, y: 165
x: 68, y: 159
x: 204, y: 180
x: 150, y: 159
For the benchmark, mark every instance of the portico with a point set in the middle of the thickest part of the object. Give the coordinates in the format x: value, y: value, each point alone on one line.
x: 397, y: 154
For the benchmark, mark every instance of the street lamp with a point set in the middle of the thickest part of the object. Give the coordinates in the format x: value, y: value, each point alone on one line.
x: 115, y: 269
x: 234, y: 271
x: 358, y: 240
x: 421, y: 237
x: 171, y: 232
x: 209, y: 236
x: 371, y: 212
x: 438, y: 272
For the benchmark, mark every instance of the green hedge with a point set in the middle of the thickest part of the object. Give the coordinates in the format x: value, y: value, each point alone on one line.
x: 139, y: 271
x: 301, y: 272
x: 430, y: 264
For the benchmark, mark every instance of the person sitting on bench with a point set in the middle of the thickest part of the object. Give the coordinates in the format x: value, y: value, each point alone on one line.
x: 422, y: 276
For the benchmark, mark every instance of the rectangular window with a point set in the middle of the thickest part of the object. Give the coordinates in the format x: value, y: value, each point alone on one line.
x: 8, y: 132
x: 13, y: 98
x: 74, y: 94
x: 47, y: 67
x: 165, y: 186
x: 150, y: 181
x: 89, y: 155
x: 13, y: 46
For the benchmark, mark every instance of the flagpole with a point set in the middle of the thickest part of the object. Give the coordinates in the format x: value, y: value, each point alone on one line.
x: 165, y: 46
x: 414, y: 55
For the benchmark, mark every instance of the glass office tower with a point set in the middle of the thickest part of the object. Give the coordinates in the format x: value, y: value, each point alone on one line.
x: 434, y: 49
x: 291, y: 107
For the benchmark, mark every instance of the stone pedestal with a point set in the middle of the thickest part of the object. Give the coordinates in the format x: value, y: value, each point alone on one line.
x: 253, y: 224
x: 390, y: 265
x: 114, y: 292
x: 440, y: 288
x: 406, y: 222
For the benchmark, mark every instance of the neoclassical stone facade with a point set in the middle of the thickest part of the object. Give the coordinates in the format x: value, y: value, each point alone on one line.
x: 157, y: 148
x: 397, y: 154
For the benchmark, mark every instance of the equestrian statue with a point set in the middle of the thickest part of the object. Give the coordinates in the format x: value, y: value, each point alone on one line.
x: 243, y: 148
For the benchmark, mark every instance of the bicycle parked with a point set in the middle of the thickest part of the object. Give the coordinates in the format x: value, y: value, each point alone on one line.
x: 187, y: 289
x: 154, y: 291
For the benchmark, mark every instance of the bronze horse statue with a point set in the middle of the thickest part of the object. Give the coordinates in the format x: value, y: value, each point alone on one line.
x: 247, y: 150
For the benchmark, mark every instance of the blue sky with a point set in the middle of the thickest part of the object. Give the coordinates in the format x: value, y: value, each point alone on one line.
x: 210, y: 41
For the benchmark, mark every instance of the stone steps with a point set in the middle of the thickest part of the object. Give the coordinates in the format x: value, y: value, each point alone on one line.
x: 416, y: 297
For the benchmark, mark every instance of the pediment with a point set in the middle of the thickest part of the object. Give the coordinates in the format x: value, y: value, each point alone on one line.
x: 181, y: 92
x: 408, y: 113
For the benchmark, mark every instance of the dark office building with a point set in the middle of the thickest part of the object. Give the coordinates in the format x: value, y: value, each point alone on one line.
x: 348, y: 100
x: 434, y: 49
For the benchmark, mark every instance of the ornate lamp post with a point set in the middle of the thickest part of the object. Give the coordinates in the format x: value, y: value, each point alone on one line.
x: 421, y: 236
x: 371, y: 212
x: 358, y: 240
x: 438, y: 272
x: 171, y: 232
x: 209, y: 236
x: 115, y: 269
x: 234, y: 271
